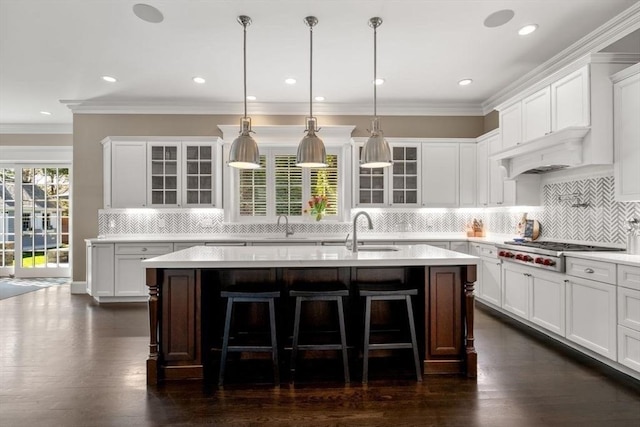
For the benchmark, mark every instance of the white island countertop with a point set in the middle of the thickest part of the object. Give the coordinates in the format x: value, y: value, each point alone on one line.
x: 307, y: 256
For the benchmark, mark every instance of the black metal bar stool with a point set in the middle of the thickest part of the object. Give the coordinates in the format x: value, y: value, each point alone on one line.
x: 387, y: 291
x: 250, y: 293
x: 331, y: 291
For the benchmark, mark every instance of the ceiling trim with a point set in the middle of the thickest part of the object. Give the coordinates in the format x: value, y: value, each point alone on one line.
x: 624, y: 24
x: 262, y: 108
x: 36, y: 128
x: 37, y: 154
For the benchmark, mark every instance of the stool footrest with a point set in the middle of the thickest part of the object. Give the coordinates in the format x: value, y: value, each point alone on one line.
x: 256, y: 348
x: 320, y: 347
x: 390, y: 346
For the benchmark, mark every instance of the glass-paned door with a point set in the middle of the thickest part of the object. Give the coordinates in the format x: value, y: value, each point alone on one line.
x: 7, y: 222
x: 43, y: 206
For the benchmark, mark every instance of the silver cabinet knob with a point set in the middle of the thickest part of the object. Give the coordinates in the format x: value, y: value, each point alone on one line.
x: 144, y: 249
x: 588, y: 270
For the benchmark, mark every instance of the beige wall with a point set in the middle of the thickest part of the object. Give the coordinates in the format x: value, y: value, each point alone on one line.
x: 36, y: 139
x: 491, y: 121
x: 90, y: 129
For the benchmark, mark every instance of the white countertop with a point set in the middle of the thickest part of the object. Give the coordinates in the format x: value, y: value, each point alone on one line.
x: 615, y: 257
x: 306, y: 256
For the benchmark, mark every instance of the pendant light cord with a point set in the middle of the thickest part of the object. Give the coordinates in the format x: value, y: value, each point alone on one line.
x: 244, y: 49
x: 375, y: 74
x: 310, y: 71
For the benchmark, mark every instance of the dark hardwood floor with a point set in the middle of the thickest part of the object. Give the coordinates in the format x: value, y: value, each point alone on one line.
x: 66, y: 361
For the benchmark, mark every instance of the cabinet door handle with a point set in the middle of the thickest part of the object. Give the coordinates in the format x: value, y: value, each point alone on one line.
x: 498, y: 263
x: 144, y: 249
x: 588, y: 270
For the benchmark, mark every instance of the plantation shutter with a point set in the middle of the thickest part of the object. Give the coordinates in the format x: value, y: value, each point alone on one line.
x: 288, y: 185
x: 253, y: 190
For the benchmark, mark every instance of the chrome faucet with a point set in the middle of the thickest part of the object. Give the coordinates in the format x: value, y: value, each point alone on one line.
x: 287, y: 232
x: 354, y: 246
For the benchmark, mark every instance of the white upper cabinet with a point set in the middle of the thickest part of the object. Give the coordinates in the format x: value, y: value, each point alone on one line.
x: 162, y: 172
x: 626, y: 116
x: 441, y: 175
x: 467, y: 175
x: 510, y: 126
x: 570, y: 105
x: 397, y: 185
x: 482, y: 172
x: 536, y: 114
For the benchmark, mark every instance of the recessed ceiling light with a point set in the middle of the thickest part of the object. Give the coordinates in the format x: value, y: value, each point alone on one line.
x: 527, y: 29
x: 199, y: 80
x: 45, y: 113
x: 379, y: 81
x: 109, y: 79
x: 465, y: 82
x: 147, y: 13
x: 290, y: 81
x: 319, y: 98
x: 251, y: 98
x: 499, y: 18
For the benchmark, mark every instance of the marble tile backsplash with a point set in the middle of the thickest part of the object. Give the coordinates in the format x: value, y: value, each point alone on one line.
x: 580, y: 210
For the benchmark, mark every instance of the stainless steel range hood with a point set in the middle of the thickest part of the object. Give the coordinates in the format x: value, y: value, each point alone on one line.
x: 558, y: 150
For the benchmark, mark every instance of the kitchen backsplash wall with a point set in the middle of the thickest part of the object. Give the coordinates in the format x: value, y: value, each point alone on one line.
x: 598, y: 218
x: 585, y: 210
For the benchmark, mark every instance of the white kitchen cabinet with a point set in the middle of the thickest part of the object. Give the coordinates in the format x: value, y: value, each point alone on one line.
x: 488, y: 286
x: 462, y: 247
x: 515, y: 289
x: 100, y: 269
x: 440, y: 175
x: 547, y: 300
x: 629, y: 316
x: 125, y: 174
x: 482, y: 171
x: 626, y: 116
x: 129, y: 273
x: 397, y: 185
x: 442, y: 245
x: 591, y: 315
x: 468, y: 176
x: 536, y: 114
x: 629, y: 347
x: 165, y: 172
x: 496, y: 176
x: 570, y: 103
x: 510, y: 127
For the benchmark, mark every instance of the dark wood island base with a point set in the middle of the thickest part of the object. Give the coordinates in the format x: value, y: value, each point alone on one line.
x: 186, y: 312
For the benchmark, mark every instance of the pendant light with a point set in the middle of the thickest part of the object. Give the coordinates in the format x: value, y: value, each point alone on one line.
x: 311, y: 151
x: 376, y: 152
x: 244, y: 152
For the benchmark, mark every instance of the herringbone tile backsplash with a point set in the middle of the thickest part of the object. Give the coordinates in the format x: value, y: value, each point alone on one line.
x: 582, y: 210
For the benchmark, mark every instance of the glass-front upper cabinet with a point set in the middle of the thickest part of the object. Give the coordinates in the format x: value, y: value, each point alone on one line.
x: 199, y: 174
x: 397, y: 185
x: 164, y: 177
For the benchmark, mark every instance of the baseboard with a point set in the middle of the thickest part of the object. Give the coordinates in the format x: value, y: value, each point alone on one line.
x: 78, y: 288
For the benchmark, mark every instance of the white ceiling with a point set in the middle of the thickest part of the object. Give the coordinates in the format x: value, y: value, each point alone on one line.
x: 53, y: 50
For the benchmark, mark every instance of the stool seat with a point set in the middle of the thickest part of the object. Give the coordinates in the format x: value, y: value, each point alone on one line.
x: 320, y: 291
x: 257, y: 293
x: 388, y: 291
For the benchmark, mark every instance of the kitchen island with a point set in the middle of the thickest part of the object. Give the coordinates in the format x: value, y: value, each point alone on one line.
x: 185, y: 308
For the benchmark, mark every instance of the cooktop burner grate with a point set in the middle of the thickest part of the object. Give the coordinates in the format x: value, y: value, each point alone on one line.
x: 561, y: 247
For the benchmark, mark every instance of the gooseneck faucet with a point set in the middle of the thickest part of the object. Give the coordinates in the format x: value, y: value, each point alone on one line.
x: 287, y: 232
x: 354, y: 246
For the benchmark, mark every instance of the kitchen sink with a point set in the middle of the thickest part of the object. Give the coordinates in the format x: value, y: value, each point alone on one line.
x: 378, y: 248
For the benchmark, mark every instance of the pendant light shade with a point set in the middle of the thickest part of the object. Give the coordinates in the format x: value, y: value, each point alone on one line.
x: 376, y: 152
x: 244, y: 153
x: 311, y: 151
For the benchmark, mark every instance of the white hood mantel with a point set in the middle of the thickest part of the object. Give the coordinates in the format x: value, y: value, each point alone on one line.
x: 557, y: 150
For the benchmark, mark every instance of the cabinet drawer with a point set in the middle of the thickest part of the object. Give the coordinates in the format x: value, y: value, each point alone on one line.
x: 143, y: 248
x: 629, y: 276
x: 488, y: 251
x: 629, y: 348
x: 629, y: 308
x: 590, y: 269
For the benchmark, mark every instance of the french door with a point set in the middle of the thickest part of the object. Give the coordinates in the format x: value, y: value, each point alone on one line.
x: 34, y: 234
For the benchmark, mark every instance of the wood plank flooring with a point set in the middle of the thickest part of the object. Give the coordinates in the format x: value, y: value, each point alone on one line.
x: 66, y: 361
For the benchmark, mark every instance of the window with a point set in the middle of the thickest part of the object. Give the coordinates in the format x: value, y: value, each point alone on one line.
x: 279, y: 187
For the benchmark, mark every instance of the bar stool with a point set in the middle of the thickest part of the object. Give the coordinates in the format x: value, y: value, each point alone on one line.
x: 329, y: 291
x: 250, y: 293
x: 387, y: 291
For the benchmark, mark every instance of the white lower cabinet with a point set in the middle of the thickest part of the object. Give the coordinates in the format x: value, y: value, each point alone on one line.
x: 459, y: 247
x: 491, y: 281
x: 629, y: 316
x: 591, y: 315
x: 547, y: 300
x: 515, y: 289
x: 629, y: 348
x: 100, y: 269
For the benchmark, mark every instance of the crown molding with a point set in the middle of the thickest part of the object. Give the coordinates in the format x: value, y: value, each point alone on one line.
x: 263, y: 108
x: 274, y: 134
x: 36, y: 128
x: 37, y: 153
x: 622, y: 25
